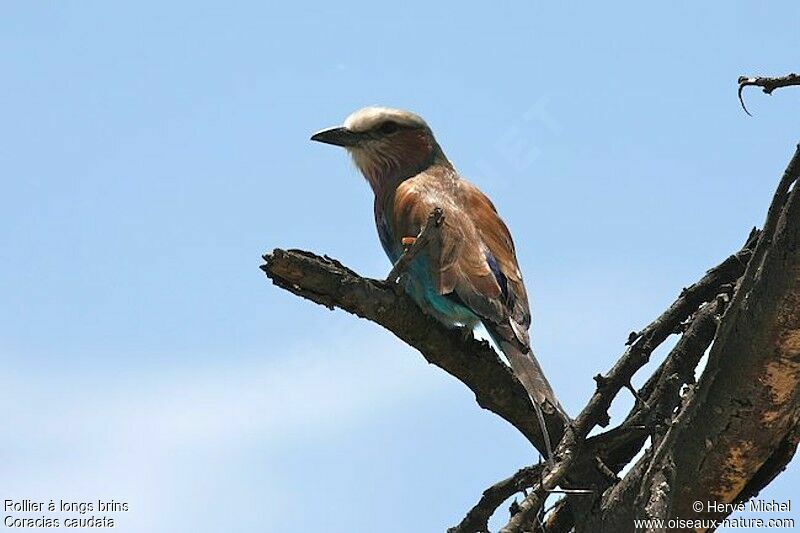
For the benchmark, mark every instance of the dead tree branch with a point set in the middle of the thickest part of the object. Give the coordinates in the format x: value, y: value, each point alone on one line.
x: 753, y: 373
x: 661, y: 396
x: 327, y: 282
x: 748, y: 306
x: 738, y: 427
x: 767, y: 85
x: 641, y: 345
x: 477, y: 519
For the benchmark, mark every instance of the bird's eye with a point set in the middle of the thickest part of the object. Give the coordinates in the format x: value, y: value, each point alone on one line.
x: 388, y: 127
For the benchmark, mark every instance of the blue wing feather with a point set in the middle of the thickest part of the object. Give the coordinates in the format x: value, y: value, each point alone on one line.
x: 388, y: 240
x: 498, y: 274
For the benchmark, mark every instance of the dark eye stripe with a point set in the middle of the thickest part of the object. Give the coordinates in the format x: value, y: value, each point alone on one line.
x: 388, y: 127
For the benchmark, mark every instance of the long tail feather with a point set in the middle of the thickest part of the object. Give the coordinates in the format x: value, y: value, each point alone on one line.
x: 528, y: 371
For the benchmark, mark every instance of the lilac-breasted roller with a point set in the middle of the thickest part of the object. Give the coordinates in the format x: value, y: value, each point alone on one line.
x: 469, y: 273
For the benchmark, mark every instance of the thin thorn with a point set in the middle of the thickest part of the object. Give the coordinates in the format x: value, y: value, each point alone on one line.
x: 638, y: 398
x: 742, y: 85
x: 570, y: 491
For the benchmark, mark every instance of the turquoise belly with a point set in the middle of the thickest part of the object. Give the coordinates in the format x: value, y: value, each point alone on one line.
x: 421, y: 288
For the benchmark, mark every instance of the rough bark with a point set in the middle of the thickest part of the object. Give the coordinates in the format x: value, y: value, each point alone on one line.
x: 740, y: 428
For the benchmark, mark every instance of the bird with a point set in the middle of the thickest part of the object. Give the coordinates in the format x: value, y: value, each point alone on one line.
x: 468, y: 274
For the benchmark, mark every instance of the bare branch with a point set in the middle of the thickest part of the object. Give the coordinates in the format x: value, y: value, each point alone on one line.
x: 753, y: 372
x: 662, y: 395
x: 636, y: 355
x: 638, y: 352
x: 767, y: 84
x: 561, y: 518
x: 477, y: 519
x: 618, y: 446
x: 738, y: 427
x: 327, y: 282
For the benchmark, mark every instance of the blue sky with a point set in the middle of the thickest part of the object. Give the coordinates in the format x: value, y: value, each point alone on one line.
x: 150, y: 152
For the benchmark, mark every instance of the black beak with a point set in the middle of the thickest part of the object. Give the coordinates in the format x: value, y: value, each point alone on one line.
x: 337, y: 136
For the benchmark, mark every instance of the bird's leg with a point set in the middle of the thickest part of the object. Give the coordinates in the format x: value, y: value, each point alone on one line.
x: 407, y: 243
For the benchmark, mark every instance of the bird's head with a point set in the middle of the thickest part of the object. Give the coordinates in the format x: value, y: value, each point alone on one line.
x: 387, y: 145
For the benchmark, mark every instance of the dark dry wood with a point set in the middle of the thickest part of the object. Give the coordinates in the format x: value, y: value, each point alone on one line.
x: 767, y: 85
x: 661, y: 394
x: 753, y: 373
x: 327, y: 282
x: 618, y: 446
x: 738, y: 427
x: 608, y: 386
x: 477, y: 519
